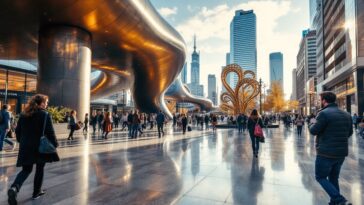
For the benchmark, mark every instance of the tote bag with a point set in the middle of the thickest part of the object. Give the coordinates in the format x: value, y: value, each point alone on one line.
x: 45, y: 146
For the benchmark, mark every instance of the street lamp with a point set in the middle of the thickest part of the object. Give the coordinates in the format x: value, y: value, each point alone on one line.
x: 260, y: 95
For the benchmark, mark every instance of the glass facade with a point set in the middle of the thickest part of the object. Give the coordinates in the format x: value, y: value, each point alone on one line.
x: 16, y: 86
x: 276, y: 67
x: 243, y: 41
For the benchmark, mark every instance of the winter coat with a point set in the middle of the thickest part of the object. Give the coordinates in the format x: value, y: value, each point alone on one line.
x: 28, y: 132
x: 333, y: 128
x: 251, y: 125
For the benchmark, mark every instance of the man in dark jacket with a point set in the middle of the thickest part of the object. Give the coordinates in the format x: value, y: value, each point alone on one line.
x: 332, y: 128
x: 160, y: 121
x: 4, y: 124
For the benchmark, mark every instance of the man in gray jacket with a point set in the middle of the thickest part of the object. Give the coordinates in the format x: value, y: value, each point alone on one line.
x: 4, y: 124
x: 332, y: 128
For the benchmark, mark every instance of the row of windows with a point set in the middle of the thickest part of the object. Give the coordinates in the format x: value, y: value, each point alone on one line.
x: 17, y: 81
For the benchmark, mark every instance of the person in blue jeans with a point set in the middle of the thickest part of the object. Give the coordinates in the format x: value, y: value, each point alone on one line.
x: 4, y: 124
x: 332, y: 128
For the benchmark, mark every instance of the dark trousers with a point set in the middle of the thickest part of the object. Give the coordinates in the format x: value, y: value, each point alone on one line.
x: 356, y: 125
x: 124, y: 125
x: 100, y: 126
x: 94, y: 127
x: 23, y: 175
x: 255, y: 143
x: 85, y: 128
x: 327, y: 171
x: 299, y: 130
x: 184, y: 126
x: 72, y: 130
x: 160, y: 129
x: 240, y: 127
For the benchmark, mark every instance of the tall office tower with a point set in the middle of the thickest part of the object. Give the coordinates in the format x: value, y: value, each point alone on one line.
x: 212, y: 92
x: 228, y: 77
x: 313, y: 7
x: 243, y: 41
x: 195, y: 86
x: 276, y: 68
x: 343, y: 50
x: 195, y: 65
x: 306, y: 68
x: 184, y: 74
x: 318, y: 26
x: 294, y: 79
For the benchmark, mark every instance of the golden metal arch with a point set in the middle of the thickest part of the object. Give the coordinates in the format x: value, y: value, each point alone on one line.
x: 241, y: 98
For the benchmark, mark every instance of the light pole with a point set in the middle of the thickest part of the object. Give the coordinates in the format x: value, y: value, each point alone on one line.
x: 260, y: 96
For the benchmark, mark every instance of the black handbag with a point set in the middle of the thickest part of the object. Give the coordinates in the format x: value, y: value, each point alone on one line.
x: 45, y: 146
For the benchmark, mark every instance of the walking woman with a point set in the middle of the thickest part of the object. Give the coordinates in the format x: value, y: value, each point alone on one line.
x: 85, y: 122
x: 93, y: 121
x: 31, y: 125
x: 214, y: 122
x: 107, y: 125
x: 299, y: 123
x: 72, y: 124
x: 254, y: 120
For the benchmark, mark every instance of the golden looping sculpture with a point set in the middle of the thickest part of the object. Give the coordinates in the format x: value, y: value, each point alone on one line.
x: 241, y: 98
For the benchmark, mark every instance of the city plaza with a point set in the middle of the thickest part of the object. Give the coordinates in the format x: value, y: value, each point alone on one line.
x: 124, y: 56
x: 201, y: 167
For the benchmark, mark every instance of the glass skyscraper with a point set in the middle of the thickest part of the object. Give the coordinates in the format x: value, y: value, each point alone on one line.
x: 243, y: 41
x: 276, y: 67
x: 184, y: 74
x: 195, y: 65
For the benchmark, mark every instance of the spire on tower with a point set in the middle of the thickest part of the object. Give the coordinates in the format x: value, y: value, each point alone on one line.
x: 194, y: 42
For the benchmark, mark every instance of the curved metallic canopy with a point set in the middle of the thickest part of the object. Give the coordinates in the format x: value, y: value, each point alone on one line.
x: 133, y: 46
x: 180, y: 93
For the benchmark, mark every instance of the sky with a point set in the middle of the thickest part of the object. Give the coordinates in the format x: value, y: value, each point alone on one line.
x: 279, y: 29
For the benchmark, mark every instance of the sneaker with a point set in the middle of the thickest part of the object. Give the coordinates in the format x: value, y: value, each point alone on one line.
x: 12, y: 196
x: 36, y: 196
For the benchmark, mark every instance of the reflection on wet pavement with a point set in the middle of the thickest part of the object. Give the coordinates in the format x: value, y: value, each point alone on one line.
x: 199, y: 168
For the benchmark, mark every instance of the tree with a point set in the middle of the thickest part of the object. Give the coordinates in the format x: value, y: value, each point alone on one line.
x: 292, y: 104
x: 275, y: 99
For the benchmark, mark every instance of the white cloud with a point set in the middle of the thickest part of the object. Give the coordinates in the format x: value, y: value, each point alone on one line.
x: 213, y: 24
x: 166, y: 12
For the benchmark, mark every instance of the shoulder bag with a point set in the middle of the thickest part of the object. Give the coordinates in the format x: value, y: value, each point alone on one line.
x: 45, y: 146
x: 258, y: 132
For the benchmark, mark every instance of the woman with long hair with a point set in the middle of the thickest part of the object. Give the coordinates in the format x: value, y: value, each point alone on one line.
x: 214, y: 122
x: 33, y: 122
x: 254, y: 120
x: 72, y: 124
x: 107, y: 125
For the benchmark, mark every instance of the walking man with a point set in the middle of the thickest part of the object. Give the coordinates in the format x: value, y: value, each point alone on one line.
x: 332, y: 128
x: 160, y: 122
x: 4, y: 124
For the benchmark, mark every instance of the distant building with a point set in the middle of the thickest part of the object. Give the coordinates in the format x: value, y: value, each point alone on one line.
x: 212, y: 89
x: 184, y: 74
x: 306, y: 68
x: 243, y: 41
x: 194, y: 86
x: 276, y: 68
x: 294, y: 80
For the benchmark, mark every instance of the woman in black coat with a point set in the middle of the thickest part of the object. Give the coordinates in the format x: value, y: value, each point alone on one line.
x: 252, y: 121
x: 28, y: 133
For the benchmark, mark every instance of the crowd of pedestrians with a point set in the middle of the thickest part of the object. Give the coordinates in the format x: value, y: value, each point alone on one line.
x: 332, y: 128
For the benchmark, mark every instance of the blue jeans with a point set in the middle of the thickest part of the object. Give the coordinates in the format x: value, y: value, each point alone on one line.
x: 2, y: 138
x: 240, y: 127
x: 134, y: 132
x: 327, y: 171
x: 129, y: 129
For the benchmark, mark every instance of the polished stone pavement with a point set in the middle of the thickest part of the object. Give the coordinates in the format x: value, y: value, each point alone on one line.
x: 201, y: 167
